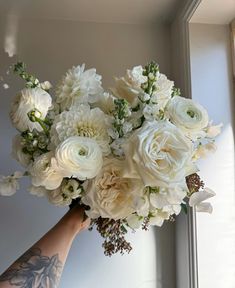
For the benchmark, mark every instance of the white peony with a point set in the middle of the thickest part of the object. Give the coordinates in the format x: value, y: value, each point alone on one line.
x: 129, y: 87
x: 110, y: 195
x: 29, y: 99
x: 78, y: 86
x: 190, y: 117
x: 82, y: 121
x: 79, y: 157
x: 46, y: 172
x: 18, y: 153
x: 163, y: 91
x: 9, y: 184
x: 159, y: 154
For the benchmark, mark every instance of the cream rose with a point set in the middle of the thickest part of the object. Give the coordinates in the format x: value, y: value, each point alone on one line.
x: 45, y: 172
x: 79, y: 157
x: 189, y: 116
x: 159, y: 154
x: 29, y: 99
x: 110, y: 195
x: 129, y: 87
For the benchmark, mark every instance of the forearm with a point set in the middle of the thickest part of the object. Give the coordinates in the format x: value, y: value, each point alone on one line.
x: 42, y: 264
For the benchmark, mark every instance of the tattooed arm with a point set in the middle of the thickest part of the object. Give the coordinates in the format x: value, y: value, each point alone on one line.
x: 41, y: 266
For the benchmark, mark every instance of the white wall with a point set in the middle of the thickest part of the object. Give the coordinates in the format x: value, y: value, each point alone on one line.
x: 49, y: 47
x: 212, y: 87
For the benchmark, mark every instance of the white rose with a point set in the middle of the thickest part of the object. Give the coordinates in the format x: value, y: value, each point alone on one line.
x: 9, y: 184
x: 17, y: 151
x: 45, y: 172
x: 110, y: 195
x: 80, y: 157
x: 129, y: 87
x: 163, y: 91
x: 190, y: 117
x: 159, y: 154
x: 29, y: 99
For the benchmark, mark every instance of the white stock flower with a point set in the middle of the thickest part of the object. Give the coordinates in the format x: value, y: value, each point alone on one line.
x: 213, y: 130
x: 151, y: 112
x: 197, y: 200
x: 9, y: 184
x: 189, y: 116
x: 110, y: 195
x: 84, y: 122
x: 28, y: 100
x: 38, y: 191
x: 161, y: 197
x: 158, y: 216
x: 163, y: 91
x: 79, y: 86
x: 129, y: 87
x: 134, y: 221
x: 159, y: 154
x: 79, y: 157
x: 18, y: 153
x: 46, y: 172
x: 203, y: 150
x: 46, y: 85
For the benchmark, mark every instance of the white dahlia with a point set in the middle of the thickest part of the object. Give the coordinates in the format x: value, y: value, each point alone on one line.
x: 84, y: 122
x: 78, y: 86
x: 29, y: 99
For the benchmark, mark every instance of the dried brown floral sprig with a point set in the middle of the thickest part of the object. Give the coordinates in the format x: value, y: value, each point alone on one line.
x: 113, y: 233
x: 194, y: 183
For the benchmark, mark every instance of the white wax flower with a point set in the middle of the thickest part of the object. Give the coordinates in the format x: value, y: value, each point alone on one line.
x: 159, y: 154
x: 110, y: 195
x: 9, y: 184
x: 29, y: 99
x: 79, y: 157
x: 163, y: 91
x: 78, y: 86
x: 17, y: 151
x: 84, y: 122
x: 46, y: 172
x: 189, y: 116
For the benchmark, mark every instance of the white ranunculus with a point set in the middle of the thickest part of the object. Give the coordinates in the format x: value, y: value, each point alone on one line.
x: 46, y: 172
x: 10, y: 184
x: 197, y: 200
x: 29, y: 99
x: 79, y: 86
x: 17, y: 151
x: 110, y: 195
x: 84, y: 122
x: 159, y: 154
x: 163, y: 91
x: 80, y: 157
x: 129, y: 87
x: 189, y: 116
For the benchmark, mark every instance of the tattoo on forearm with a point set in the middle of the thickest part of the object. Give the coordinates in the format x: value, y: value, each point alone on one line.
x: 34, y: 271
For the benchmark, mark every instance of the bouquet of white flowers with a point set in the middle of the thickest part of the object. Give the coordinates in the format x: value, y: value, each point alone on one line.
x: 128, y: 155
